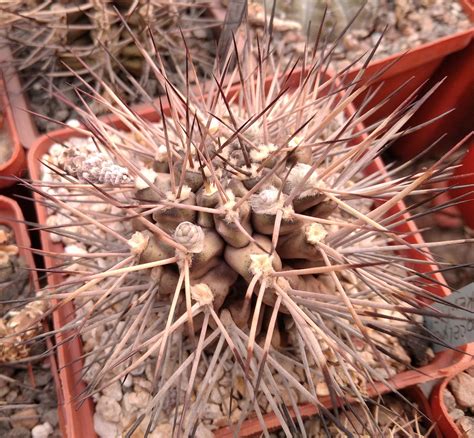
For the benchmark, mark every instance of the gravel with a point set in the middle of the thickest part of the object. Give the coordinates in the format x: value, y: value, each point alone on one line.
x: 410, y: 24
x: 459, y: 401
x: 27, y: 392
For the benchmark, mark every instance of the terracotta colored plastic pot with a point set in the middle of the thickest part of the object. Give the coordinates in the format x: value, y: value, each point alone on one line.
x: 456, y: 94
x: 79, y: 415
x: 416, y: 395
x: 16, y: 163
x: 12, y: 216
x: 409, y: 71
x: 465, y: 176
x: 438, y: 408
x: 27, y: 132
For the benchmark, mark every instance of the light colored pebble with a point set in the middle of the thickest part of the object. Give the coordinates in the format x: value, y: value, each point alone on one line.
x: 163, y: 431
x: 462, y: 387
x: 109, y: 409
x: 27, y: 417
x: 41, y: 430
x: 449, y: 400
x: 203, y: 432
x: 466, y: 424
x: 455, y: 414
x: 114, y: 391
x: 135, y: 401
x: 142, y: 383
x: 104, y: 428
x: 212, y: 411
x: 128, y: 382
x: 138, y: 371
x: 215, y: 396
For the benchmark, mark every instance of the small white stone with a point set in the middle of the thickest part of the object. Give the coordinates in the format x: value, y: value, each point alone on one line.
x: 215, y: 396
x: 135, y: 401
x: 162, y: 153
x: 212, y: 412
x: 41, y: 430
x: 149, y: 174
x: 105, y: 429
x: 141, y: 383
x: 128, y: 382
x: 138, y: 371
x: 163, y: 431
x: 73, y: 123
x: 114, y: 391
x: 75, y: 249
x: 56, y: 150
x: 203, y: 432
x: 109, y: 409
x: 91, y: 372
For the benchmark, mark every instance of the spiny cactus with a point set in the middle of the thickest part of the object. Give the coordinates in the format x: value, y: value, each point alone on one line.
x: 246, y: 225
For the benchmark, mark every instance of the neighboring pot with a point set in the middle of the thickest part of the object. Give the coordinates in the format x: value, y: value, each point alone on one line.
x: 12, y: 216
x: 439, y: 410
x: 78, y: 416
x: 464, y: 176
x: 27, y: 133
x: 416, y: 395
x: 456, y: 94
x: 16, y: 163
x: 410, y: 71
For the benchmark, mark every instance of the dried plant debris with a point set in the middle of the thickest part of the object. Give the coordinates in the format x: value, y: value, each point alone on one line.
x: 459, y: 401
x: 246, y: 243
x: 53, y: 41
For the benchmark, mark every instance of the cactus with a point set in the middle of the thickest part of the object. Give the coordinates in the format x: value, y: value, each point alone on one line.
x: 239, y: 227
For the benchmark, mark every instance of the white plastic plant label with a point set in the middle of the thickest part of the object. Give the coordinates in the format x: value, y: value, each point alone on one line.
x: 458, y: 328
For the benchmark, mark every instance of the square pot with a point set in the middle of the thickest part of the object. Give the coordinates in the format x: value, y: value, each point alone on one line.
x: 79, y: 422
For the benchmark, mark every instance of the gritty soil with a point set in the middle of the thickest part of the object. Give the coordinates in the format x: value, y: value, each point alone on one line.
x: 6, y: 149
x: 409, y: 23
x: 28, y: 405
x: 459, y: 401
